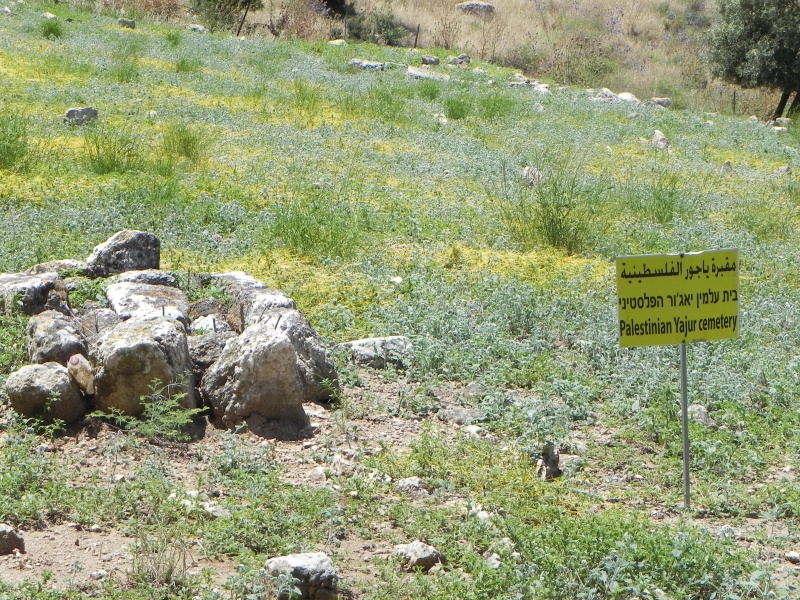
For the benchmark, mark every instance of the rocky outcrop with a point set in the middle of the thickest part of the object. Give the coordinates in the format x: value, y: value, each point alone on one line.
x: 46, y: 392
x: 256, y: 376
x: 315, y: 366
x: 125, y: 251
x: 53, y: 337
x: 142, y: 301
x: 116, y: 358
x: 31, y: 294
x: 476, y: 8
x: 137, y: 355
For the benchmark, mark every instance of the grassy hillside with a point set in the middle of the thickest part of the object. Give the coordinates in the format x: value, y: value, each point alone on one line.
x: 647, y: 47
x: 387, y: 205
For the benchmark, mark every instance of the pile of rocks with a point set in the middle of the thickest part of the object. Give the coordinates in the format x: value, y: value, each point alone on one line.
x: 253, y: 359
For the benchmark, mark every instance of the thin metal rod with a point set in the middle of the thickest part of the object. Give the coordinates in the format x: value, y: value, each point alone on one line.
x: 685, y: 427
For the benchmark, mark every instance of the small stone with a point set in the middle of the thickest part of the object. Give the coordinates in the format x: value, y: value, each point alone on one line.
x: 660, y: 141
x: 215, y: 510
x: 318, y: 474
x: 127, y: 23
x: 473, y: 430
x: 493, y: 561
x: 79, y: 116
x: 337, y: 43
x: 369, y: 65
x: 98, y: 575
x: 409, y: 485
x: 316, y: 575
x: 793, y: 557
x: 418, y: 555
x: 10, y: 540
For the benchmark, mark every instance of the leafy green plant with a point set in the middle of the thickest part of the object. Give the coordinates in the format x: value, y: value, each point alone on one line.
x: 108, y: 150
x: 124, y: 71
x: 163, y: 415
x: 429, y: 89
x: 158, y: 560
x: 377, y: 27
x: 318, y: 226
x: 249, y: 584
x: 496, y: 105
x: 220, y: 15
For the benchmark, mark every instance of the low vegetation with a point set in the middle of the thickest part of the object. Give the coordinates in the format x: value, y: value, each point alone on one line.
x: 348, y: 190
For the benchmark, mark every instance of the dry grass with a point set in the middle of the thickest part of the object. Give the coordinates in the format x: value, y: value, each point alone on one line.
x: 647, y: 47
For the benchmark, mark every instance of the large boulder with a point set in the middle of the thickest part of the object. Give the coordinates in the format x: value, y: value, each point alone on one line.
x: 67, y: 265
x: 31, y: 294
x: 206, y: 349
x: 256, y: 377
x: 53, y: 337
x: 251, y: 298
x: 137, y: 355
x: 125, y: 251
x: 316, y: 575
x: 418, y: 555
x: 142, y: 301
x: 476, y: 8
x: 148, y: 276
x: 45, y: 391
x: 315, y: 367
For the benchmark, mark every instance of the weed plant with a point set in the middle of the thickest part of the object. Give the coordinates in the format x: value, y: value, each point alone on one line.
x: 15, y: 142
x: 188, y: 65
x: 51, y: 29
x: 164, y: 416
x: 556, y: 207
x: 185, y: 141
x: 457, y: 108
x: 107, y: 150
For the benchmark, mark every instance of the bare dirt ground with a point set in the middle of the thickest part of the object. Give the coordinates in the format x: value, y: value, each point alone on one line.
x: 84, y: 556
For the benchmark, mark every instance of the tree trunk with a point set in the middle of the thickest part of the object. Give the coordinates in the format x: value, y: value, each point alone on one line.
x: 782, y: 104
x: 795, y: 104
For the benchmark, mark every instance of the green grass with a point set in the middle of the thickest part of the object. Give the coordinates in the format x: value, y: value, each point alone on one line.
x: 51, y: 29
x: 107, y: 150
x: 343, y: 189
x: 15, y: 142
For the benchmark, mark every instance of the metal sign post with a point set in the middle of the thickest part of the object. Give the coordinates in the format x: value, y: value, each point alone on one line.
x: 678, y: 299
x: 685, y: 428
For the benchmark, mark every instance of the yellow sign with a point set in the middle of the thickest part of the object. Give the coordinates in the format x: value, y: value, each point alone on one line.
x: 678, y: 298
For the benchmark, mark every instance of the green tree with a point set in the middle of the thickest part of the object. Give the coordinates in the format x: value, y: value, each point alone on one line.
x: 756, y: 43
x: 221, y: 15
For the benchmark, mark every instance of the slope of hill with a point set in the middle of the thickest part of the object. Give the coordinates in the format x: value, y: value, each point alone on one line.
x: 385, y: 204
